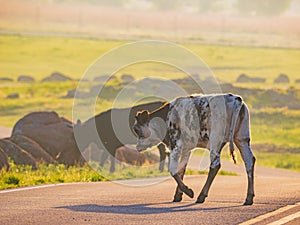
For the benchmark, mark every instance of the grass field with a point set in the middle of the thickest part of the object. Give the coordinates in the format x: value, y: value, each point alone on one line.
x: 40, y: 56
x: 227, y: 62
x: 282, y: 160
x: 276, y: 127
x: 277, y: 159
x: 20, y: 176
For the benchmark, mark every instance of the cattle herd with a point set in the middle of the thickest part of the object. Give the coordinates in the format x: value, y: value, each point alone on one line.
x: 46, y: 137
x: 207, y: 121
x: 41, y: 137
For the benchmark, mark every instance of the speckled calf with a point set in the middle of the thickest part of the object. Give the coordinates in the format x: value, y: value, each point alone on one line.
x: 207, y: 121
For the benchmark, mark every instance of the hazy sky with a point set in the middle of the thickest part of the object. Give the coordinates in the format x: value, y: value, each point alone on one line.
x: 197, y: 20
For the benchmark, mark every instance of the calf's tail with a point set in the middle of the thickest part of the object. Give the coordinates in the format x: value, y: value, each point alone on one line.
x: 238, y: 103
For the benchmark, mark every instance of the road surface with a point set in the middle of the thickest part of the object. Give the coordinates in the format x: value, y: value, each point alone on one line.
x: 124, y: 203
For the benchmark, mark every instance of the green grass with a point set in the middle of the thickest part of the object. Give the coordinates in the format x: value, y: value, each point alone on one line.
x: 288, y: 161
x: 228, y: 62
x: 280, y: 127
x: 39, y: 97
x: 40, y: 56
x: 21, y: 176
x: 201, y: 172
x: 280, y: 160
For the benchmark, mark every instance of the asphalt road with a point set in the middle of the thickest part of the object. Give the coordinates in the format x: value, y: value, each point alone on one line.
x: 137, y: 202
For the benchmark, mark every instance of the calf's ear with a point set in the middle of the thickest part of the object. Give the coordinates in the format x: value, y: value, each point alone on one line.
x: 142, y: 117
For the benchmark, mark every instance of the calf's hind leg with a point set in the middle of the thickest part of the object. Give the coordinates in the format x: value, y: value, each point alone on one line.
x: 249, y: 161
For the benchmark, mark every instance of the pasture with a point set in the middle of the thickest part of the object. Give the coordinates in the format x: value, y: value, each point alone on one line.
x: 40, y: 56
x: 275, y: 130
x: 20, y: 176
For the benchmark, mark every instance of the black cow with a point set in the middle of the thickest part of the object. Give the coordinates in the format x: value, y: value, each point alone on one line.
x: 106, y: 133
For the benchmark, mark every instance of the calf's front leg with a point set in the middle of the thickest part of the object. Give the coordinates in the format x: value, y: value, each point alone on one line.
x: 162, y: 154
x: 213, y: 170
x: 178, y: 192
x: 188, y: 191
x: 178, y: 174
x: 211, y: 176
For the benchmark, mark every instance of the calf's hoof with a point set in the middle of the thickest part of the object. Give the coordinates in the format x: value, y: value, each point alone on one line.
x: 189, y: 193
x: 177, y: 197
x: 249, y: 199
x: 248, y: 202
x: 201, y: 198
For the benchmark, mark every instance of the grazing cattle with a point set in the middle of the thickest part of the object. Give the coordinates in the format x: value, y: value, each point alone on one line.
x: 33, y: 148
x: 207, y: 121
x: 17, y: 154
x: 3, y: 160
x: 52, y: 133
x: 130, y: 156
x: 101, y: 130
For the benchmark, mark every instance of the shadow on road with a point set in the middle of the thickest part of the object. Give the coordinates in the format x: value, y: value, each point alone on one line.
x: 141, y: 209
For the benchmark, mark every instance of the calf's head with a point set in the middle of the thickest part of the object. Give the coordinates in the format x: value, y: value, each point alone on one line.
x: 148, y: 131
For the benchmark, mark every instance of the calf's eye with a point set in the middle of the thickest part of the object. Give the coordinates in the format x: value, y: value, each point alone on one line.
x: 136, y: 130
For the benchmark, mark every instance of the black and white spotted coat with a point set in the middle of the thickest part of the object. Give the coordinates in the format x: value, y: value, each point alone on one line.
x: 207, y: 121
